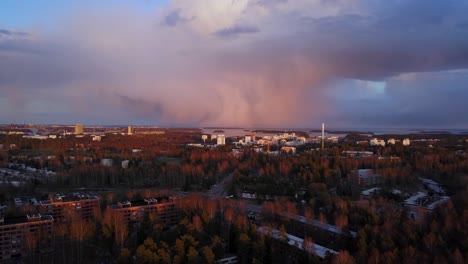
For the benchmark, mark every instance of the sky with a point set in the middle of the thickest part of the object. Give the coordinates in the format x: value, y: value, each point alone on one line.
x: 235, y: 63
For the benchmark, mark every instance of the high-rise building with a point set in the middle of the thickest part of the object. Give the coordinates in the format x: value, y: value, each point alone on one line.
x: 79, y: 128
x: 130, y: 130
x: 220, y: 140
x: 22, y: 234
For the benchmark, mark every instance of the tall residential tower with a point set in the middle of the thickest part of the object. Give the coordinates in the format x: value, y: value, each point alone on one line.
x: 79, y: 128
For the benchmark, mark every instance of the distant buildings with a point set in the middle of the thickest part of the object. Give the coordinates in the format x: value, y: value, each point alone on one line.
x: 289, y: 150
x: 406, y: 142
x: 358, y: 154
x: 37, y: 137
x: 130, y: 130
x: 20, y: 235
x: 79, y: 129
x: 204, y: 137
x: 377, y: 142
x: 284, y: 139
x: 366, y: 177
x: 107, y: 162
x: 248, y: 195
x: 366, y: 194
x: 220, y: 140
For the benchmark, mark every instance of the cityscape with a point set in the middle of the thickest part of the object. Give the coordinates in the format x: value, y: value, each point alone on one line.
x: 147, y: 194
x: 233, y: 131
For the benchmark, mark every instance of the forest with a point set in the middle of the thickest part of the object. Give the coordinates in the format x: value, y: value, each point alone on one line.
x: 313, y: 184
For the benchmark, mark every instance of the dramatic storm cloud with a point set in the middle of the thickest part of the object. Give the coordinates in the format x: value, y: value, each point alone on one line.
x: 242, y: 63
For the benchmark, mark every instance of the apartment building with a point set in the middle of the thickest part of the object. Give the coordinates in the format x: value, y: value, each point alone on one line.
x: 163, y: 209
x: 22, y: 235
x: 61, y: 207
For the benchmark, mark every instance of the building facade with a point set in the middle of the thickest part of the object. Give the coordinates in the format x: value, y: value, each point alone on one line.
x: 62, y: 207
x: 366, y: 177
x: 377, y: 142
x: 79, y: 129
x: 20, y: 236
x: 164, y: 210
x: 220, y: 140
x: 406, y: 142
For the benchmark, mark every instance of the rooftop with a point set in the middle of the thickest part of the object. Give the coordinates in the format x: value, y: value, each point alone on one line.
x: 370, y: 191
x: 316, y: 249
x: 144, y: 202
x: 323, y: 226
x: 74, y: 197
x: 25, y: 219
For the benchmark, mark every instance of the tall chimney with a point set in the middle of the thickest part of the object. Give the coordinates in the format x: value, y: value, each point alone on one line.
x: 323, y: 135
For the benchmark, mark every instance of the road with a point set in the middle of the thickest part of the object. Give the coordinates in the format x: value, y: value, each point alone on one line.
x: 220, y: 190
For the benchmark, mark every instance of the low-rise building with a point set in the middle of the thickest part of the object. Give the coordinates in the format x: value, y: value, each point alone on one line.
x: 125, y: 164
x: 358, y: 154
x: 289, y: 150
x: 366, y: 177
x: 293, y: 249
x: 370, y: 192
x: 61, y: 207
x: 107, y: 162
x: 164, y: 209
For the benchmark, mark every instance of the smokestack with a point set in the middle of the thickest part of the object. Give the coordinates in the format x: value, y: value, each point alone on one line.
x: 323, y: 135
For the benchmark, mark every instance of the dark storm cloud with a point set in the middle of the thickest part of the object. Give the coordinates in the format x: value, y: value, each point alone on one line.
x: 414, y: 100
x: 6, y: 32
x: 174, y: 18
x: 392, y: 39
x: 269, y: 3
x: 30, y: 65
x: 462, y: 25
x: 142, y: 107
x: 236, y: 30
